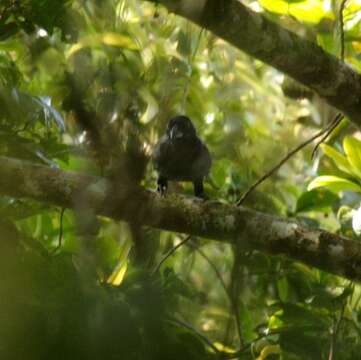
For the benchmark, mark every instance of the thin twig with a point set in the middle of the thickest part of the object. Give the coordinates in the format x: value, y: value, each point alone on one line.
x: 228, y: 293
x: 170, y: 253
x: 223, y: 355
x: 283, y: 160
x: 342, y: 32
x: 335, y: 328
x: 235, y: 292
x: 225, y: 337
x: 247, y: 346
x: 212, y: 265
x: 195, y: 331
x: 333, y: 125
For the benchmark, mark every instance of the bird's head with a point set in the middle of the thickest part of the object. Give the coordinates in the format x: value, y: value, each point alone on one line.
x: 180, y: 128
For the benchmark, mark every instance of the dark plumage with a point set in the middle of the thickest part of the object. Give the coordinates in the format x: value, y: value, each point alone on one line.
x: 181, y: 156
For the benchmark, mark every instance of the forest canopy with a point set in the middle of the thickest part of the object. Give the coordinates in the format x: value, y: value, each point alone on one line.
x: 96, y: 264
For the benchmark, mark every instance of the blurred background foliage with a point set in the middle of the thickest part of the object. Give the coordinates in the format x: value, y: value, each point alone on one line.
x: 71, y: 287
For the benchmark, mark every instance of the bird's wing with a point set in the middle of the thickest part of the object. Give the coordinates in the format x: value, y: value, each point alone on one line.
x: 161, y: 152
x: 181, y: 162
x: 202, y: 163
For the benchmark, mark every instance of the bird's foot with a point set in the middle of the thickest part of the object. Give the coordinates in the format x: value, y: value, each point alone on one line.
x: 161, y: 189
x: 202, y: 196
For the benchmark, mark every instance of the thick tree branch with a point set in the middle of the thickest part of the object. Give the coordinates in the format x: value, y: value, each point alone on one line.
x: 263, y: 39
x: 246, y: 228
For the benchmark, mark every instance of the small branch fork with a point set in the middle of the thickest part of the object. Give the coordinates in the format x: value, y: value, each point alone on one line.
x: 325, y: 133
x: 171, y: 252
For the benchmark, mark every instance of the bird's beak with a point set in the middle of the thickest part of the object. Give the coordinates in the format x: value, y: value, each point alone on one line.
x: 175, y: 133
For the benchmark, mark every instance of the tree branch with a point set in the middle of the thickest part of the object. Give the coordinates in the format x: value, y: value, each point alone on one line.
x: 244, y: 227
x: 265, y: 40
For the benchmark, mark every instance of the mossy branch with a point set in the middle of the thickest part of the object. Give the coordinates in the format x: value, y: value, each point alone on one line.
x: 303, y: 60
x: 246, y: 228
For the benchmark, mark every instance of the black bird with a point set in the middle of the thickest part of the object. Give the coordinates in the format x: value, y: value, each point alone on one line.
x: 180, y: 155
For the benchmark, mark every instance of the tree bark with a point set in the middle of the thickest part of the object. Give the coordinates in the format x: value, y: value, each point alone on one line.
x: 265, y: 40
x: 245, y: 228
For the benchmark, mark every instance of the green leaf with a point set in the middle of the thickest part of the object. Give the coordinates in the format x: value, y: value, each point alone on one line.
x: 352, y: 149
x: 307, y: 10
x: 152, y: 105
x: 316, y: 199
x: 299, y: 344
x: 49, y: 111
x: 283, y: 288
x: 334, y: 183
x: 108, y: 38
x: 301, y: 315
x: 269, y: 350
x: 340, y: 160
x: 356, y: 221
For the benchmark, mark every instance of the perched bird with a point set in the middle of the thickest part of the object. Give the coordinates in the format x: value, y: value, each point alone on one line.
x: 180, y: 155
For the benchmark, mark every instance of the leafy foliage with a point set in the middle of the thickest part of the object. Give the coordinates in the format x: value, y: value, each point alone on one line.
x: 89, y: 86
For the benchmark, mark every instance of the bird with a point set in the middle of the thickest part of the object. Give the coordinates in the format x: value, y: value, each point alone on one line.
x: 180, y: 155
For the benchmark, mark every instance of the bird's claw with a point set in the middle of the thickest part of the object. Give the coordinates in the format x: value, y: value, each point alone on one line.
x: 203, y: 196
x: 161, y: 189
